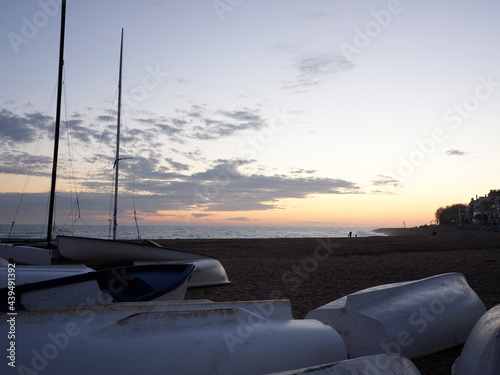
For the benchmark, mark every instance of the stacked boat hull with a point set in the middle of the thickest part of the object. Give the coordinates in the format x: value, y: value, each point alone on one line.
x: 143, y: 338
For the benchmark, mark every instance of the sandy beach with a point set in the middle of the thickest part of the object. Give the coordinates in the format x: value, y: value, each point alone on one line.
x: 313, y: 272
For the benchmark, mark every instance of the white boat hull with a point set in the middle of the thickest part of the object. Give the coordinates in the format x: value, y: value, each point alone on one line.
x: 33, y: 273
x: 208, y: 272
x: 124, y: 284
x: 110, y: 252
x: 268, y: 309
x: 415, y: 318
x: 228, y: 340
x: 25, y: 254
x: 386, y: 364
x: 481, y: 352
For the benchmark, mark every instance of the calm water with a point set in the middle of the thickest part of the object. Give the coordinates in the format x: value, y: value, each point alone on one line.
x: 186, y: 232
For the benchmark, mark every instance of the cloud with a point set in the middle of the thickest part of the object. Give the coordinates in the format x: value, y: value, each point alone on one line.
x: 312, y: 71
x: 380, y: 192
x: 455, y: 153
x: 222, y: 187
x: 302, y: 171
x: 239, y: 219
x: 203, y: 122
x: 20, y: 128
x: 176, y: 165
x: 200, y: 215
x: 214, y: 124
x: 199, y: 122
x: 19, y: 162
x: 382, y: 180
x: 82, y: 132
x: 150, y: 172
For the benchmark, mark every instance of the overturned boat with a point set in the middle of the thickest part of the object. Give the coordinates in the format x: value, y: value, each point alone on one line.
x: 106, y: 252
x: 481, y: 352
x: 124, y: 284
x: 27, y: 274
x: 414, y: 318
x: 25, y: 254
x: 386, y: 364
x: 209, y: 271
x: 148, y: 338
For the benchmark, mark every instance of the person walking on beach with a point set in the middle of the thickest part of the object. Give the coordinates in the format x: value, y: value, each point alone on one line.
x: 350, y: 234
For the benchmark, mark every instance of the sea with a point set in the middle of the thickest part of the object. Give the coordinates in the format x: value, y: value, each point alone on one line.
x: 185, y: 231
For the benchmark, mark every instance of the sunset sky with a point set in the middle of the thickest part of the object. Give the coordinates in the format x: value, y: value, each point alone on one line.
x: 296, y: 112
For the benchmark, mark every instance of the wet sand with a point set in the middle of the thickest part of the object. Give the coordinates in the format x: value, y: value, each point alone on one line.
x: 313, y: 272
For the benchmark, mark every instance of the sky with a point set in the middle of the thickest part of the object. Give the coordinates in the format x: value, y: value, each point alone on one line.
x: 237, y: 112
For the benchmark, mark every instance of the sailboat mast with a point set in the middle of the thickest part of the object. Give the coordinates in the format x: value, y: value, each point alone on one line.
x: 117, y: 159
x: 58, y: 123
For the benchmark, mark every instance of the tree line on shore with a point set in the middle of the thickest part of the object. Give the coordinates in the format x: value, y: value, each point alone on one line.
x: 452, y: 215
x: 458, y: 214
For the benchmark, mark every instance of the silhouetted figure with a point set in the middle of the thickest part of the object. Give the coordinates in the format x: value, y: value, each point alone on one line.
x: 350, y: 234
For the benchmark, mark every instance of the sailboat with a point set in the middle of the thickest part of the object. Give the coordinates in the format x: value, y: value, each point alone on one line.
x: 209, y: 271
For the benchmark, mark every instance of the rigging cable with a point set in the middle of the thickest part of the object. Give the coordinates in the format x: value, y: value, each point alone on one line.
x: 33, y: 160
x: 132, y: 182
x: 70, y: 156
x: 110, y: 209
x: 133, y: 199
x: 86, y: 185
x: 101, y: 140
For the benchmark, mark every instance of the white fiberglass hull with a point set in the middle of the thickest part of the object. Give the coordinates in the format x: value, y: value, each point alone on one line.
x: 25, y: 254
x: 224, y: 340
x: 107, y: 252
x: 208, y: 272
x: 481, y: 352
x: 386, y: 364
x: 124, y: 284
x: 32, y: 273
x: 414, y: 318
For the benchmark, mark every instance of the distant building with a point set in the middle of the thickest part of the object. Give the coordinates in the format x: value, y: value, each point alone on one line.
x: 484, y: 210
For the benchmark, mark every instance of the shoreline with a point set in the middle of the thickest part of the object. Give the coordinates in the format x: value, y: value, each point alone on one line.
x: 436, y: 228
x: 377, y: 232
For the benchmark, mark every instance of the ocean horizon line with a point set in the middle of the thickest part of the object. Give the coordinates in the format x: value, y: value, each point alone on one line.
x: 153, y: 231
